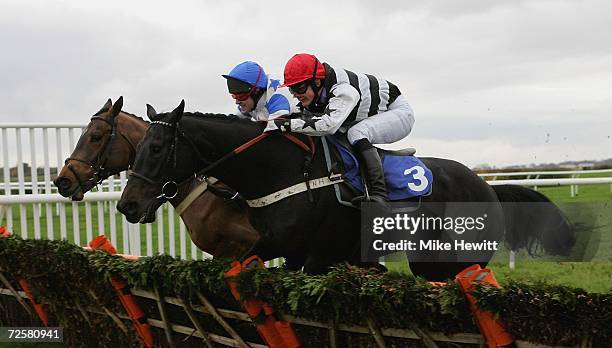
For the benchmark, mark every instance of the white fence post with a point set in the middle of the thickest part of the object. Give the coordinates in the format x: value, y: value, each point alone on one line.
x: 34, y: 179
x: 7, y: 177
x: 47, y: 176
x: 21, y: 180
x: 60, y: 162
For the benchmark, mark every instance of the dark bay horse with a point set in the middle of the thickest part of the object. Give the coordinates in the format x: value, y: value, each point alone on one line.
x: 316, y: 232
x: 108, y: 146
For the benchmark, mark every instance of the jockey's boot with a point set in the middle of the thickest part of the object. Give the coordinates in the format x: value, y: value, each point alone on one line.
x: 375, y: 178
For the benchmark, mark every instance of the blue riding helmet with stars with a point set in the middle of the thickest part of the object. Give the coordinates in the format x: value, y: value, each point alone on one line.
x: 249, y: 72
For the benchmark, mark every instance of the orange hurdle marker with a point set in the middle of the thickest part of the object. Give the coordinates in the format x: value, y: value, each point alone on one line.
x: 276, y: 333
x: 492, y: 329
x: 128, y: 300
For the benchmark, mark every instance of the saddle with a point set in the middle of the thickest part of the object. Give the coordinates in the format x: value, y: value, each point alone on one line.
x: 406, y: 176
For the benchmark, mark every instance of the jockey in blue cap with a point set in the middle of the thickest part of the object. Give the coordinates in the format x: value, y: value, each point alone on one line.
x: 257, y: 96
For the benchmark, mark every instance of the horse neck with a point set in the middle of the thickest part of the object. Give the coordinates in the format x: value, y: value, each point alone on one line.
x: 131, y: 127
x: 272, y: 164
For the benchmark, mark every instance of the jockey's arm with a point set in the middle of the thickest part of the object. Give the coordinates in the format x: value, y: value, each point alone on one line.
x: 281, y: 103
x: 344, y: 99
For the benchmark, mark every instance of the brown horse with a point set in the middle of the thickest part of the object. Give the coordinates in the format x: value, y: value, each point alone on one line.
x: 108, y: 146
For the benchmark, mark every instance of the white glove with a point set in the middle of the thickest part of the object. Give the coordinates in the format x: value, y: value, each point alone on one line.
x: 279, y: 125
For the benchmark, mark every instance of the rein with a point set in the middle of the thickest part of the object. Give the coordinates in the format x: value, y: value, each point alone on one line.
x: 309, y: 149
x: 99, y: 165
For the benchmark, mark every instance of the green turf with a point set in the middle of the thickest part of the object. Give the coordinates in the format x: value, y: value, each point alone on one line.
x: 586, y: 193
x: 591, y: 276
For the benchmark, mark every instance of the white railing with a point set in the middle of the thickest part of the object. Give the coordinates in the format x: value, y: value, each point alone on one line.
x: 551, y: 172
x: 552, y: 182
x: 37, y: 211
x: 56, y: 198
x: 40, y: 187
x: 533, y: 178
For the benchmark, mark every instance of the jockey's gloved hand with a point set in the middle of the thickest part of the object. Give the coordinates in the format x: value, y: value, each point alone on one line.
x: 303, y: 115
x: 294, y: 115
x: 278, y: 125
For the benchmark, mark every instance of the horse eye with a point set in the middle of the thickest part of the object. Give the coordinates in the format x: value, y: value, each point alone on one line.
x: 96, y: 138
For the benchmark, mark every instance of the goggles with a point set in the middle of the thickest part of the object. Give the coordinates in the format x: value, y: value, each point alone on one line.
x: 245, y: 95
x: 242, y: 96
x: 300, y: 88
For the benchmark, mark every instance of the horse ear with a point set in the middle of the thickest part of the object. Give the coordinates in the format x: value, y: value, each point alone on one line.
x: 177, y: 113
x: 151, y: 113
x: 117, y: 107
x: 105, y: 107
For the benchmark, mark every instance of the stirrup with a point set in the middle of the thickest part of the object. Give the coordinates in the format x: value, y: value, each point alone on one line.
x: 361, y: 199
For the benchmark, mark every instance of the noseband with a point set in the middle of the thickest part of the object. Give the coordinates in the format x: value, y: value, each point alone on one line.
x: 98, y: 166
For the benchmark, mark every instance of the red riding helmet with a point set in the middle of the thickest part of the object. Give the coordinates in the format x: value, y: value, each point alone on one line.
x: 302, y: 67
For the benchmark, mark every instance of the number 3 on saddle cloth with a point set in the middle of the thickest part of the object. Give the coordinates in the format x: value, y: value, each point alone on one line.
x: 406, y: 176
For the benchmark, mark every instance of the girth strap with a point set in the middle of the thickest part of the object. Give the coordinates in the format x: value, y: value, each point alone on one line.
x: 294, y: 190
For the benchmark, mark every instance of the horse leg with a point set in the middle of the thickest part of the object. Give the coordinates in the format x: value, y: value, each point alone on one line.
x: 314, y: 265
x: 262, y: 249
x: 356, y: 260
x: 236, y: 240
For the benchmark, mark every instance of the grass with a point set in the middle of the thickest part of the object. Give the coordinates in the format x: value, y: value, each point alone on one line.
x: 591, y: 276
x: 597, y: 193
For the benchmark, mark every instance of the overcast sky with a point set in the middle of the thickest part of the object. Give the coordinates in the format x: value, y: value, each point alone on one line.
x: 498, y: 82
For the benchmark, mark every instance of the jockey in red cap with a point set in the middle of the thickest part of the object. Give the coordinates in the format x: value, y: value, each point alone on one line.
x: 369, y: 109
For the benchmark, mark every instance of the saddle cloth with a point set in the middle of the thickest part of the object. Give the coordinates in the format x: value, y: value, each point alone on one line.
x: 406, y: 176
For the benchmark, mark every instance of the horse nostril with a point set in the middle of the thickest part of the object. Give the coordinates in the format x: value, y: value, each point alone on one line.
x: 127, y: 208
x: 62, y: 182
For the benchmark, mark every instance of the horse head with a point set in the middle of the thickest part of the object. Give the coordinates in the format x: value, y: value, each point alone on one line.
x: 155, y: 173
x: 106, y: 147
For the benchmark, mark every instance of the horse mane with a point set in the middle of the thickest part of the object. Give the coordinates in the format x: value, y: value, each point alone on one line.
x: 125, y: 112
x: 134, y: 116
x: 197, y: 114
x: 213, y: 115
x: 229, y: 118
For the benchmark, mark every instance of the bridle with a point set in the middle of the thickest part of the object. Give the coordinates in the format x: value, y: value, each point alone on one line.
x: 101, y: 171
x: 169, y: 187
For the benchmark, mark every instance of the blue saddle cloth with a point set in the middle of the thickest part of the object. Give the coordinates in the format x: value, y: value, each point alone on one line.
x: 406, y: 176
